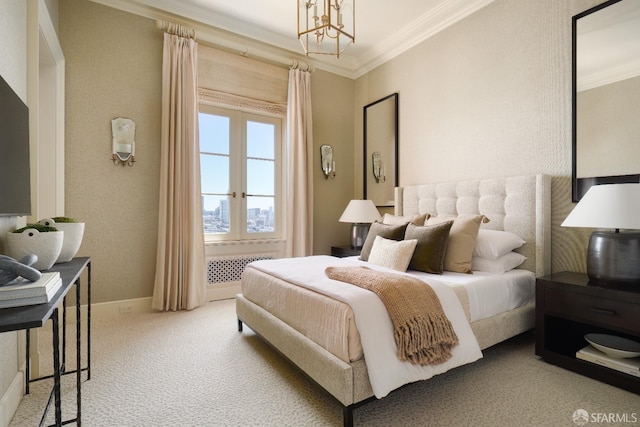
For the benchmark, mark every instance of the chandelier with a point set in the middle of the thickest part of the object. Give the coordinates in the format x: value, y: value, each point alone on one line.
x: 327, y: 28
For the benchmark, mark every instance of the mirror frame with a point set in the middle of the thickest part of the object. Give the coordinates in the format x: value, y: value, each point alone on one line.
x: 371, y: 145
x: 579, y: 186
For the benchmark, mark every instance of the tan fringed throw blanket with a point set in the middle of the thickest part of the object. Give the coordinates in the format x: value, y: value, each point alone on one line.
x: 423, y: 333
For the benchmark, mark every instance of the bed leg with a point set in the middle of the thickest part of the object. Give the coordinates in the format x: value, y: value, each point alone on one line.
x: 347, y: 416
x: 239, y: 325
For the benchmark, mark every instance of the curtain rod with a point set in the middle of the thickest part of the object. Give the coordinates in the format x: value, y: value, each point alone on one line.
x: 184, y: 31
x: 177, y: 29
x: 302, y: 66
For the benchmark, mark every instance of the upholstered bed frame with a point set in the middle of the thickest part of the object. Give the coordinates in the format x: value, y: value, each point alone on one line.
x: 518, y: 204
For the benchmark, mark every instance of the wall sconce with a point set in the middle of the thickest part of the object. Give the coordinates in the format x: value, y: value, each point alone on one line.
x: 378, y: 167
x: 123, y: 145
x: 327, y: 163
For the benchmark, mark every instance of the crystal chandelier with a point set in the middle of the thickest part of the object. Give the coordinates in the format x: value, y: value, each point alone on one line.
x: 327, y: 28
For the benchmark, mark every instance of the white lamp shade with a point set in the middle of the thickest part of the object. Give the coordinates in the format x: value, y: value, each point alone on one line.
x: 360, y: 211
x: 607, y: 206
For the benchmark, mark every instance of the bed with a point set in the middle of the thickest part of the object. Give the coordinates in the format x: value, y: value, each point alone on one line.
x: 316, y: 332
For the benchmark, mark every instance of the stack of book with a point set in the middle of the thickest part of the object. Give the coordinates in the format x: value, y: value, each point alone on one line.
x: 593, y: 355
x: 25, y: 292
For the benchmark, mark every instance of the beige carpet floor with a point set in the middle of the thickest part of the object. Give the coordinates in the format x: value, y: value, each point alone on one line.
x: 195, y: 369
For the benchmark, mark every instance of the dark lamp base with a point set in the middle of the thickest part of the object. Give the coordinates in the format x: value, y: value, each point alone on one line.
x: 359, y: 233
x: 614, y: 258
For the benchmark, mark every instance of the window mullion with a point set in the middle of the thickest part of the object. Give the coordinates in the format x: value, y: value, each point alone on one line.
x: 235, y: 181
x: 243, y: 175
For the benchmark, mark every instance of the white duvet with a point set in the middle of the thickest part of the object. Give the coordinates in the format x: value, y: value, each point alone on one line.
x: 386, y: 372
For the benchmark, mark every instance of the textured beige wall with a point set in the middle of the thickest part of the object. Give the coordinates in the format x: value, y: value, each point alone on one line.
x: 114, y: 64
x: 113, y: 69
x: 333, y: 124
x: 489, y: 97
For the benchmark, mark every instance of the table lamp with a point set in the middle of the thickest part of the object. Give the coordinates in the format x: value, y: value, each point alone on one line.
x: 613, y: 257
x: 360, y: 213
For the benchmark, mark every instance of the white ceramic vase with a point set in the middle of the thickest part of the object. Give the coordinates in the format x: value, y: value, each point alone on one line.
x: 46, y: 246
x: 73, y: 232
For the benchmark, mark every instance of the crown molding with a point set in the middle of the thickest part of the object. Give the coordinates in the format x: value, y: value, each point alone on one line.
x: 231, y: 41
x: 436, y: 20
x: 224, y: 32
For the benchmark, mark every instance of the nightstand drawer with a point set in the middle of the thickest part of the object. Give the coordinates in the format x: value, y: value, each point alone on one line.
x: 606, y: 312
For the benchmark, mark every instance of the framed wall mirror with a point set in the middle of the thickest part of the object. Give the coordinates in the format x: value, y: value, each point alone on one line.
x: 381, y: 150
x: 606, y: 95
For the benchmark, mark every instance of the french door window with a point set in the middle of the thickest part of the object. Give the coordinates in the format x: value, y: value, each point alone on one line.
x: 240, y: 166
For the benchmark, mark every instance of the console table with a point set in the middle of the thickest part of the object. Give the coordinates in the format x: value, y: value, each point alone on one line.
x: 35, y: 316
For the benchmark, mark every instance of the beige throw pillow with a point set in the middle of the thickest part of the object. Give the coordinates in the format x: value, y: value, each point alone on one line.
x: 462, y: 242
x: 391, y: 253
x: 399, y: 220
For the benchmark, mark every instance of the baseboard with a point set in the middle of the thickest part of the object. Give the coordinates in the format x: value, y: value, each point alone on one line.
x: 11, y: 399
x: 137, y: 305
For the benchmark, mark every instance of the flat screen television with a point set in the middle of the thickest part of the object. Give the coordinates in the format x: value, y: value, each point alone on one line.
x: 15, y: 183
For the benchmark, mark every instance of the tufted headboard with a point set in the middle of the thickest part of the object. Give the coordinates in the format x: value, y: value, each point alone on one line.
x: 519, y: 204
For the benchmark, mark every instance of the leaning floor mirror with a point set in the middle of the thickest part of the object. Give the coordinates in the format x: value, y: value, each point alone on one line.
x: 381, y: 150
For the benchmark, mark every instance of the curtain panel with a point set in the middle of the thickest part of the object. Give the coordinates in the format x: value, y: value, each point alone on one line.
x: 180, y: 263
x: 300, y: 164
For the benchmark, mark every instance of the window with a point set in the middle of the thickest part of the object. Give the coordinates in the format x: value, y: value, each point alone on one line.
x: 240, y: 162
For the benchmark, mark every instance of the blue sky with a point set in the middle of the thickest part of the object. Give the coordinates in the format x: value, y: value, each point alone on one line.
x: 214, y: 138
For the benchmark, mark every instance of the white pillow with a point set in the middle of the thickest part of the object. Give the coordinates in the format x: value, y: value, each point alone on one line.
x: 500, y: 265
x: 392, y: 254
x: 492, y: 244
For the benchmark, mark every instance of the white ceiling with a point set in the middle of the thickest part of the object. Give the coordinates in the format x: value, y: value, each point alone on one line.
x: 383, y: 28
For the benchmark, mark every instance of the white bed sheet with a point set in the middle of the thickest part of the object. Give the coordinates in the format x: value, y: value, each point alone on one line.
x: 489, y: 293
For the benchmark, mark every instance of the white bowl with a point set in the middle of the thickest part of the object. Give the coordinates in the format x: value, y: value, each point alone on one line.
x: 73, y: 232
x: 614, y: 346
x: 46, y: 246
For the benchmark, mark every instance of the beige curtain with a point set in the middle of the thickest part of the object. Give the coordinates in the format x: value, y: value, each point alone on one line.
x: 180, y: 261
x: 300, y: 157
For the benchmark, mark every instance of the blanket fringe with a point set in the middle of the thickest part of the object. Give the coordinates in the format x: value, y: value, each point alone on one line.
x: 422, y: 332
x: 425, y: 340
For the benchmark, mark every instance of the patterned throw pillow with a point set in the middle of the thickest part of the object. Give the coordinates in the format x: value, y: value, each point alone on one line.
x: 391, y: 253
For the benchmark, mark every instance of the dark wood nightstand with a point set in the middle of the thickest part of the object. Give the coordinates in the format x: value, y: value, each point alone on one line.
x: 343, y: 251
x: 568, y: 307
